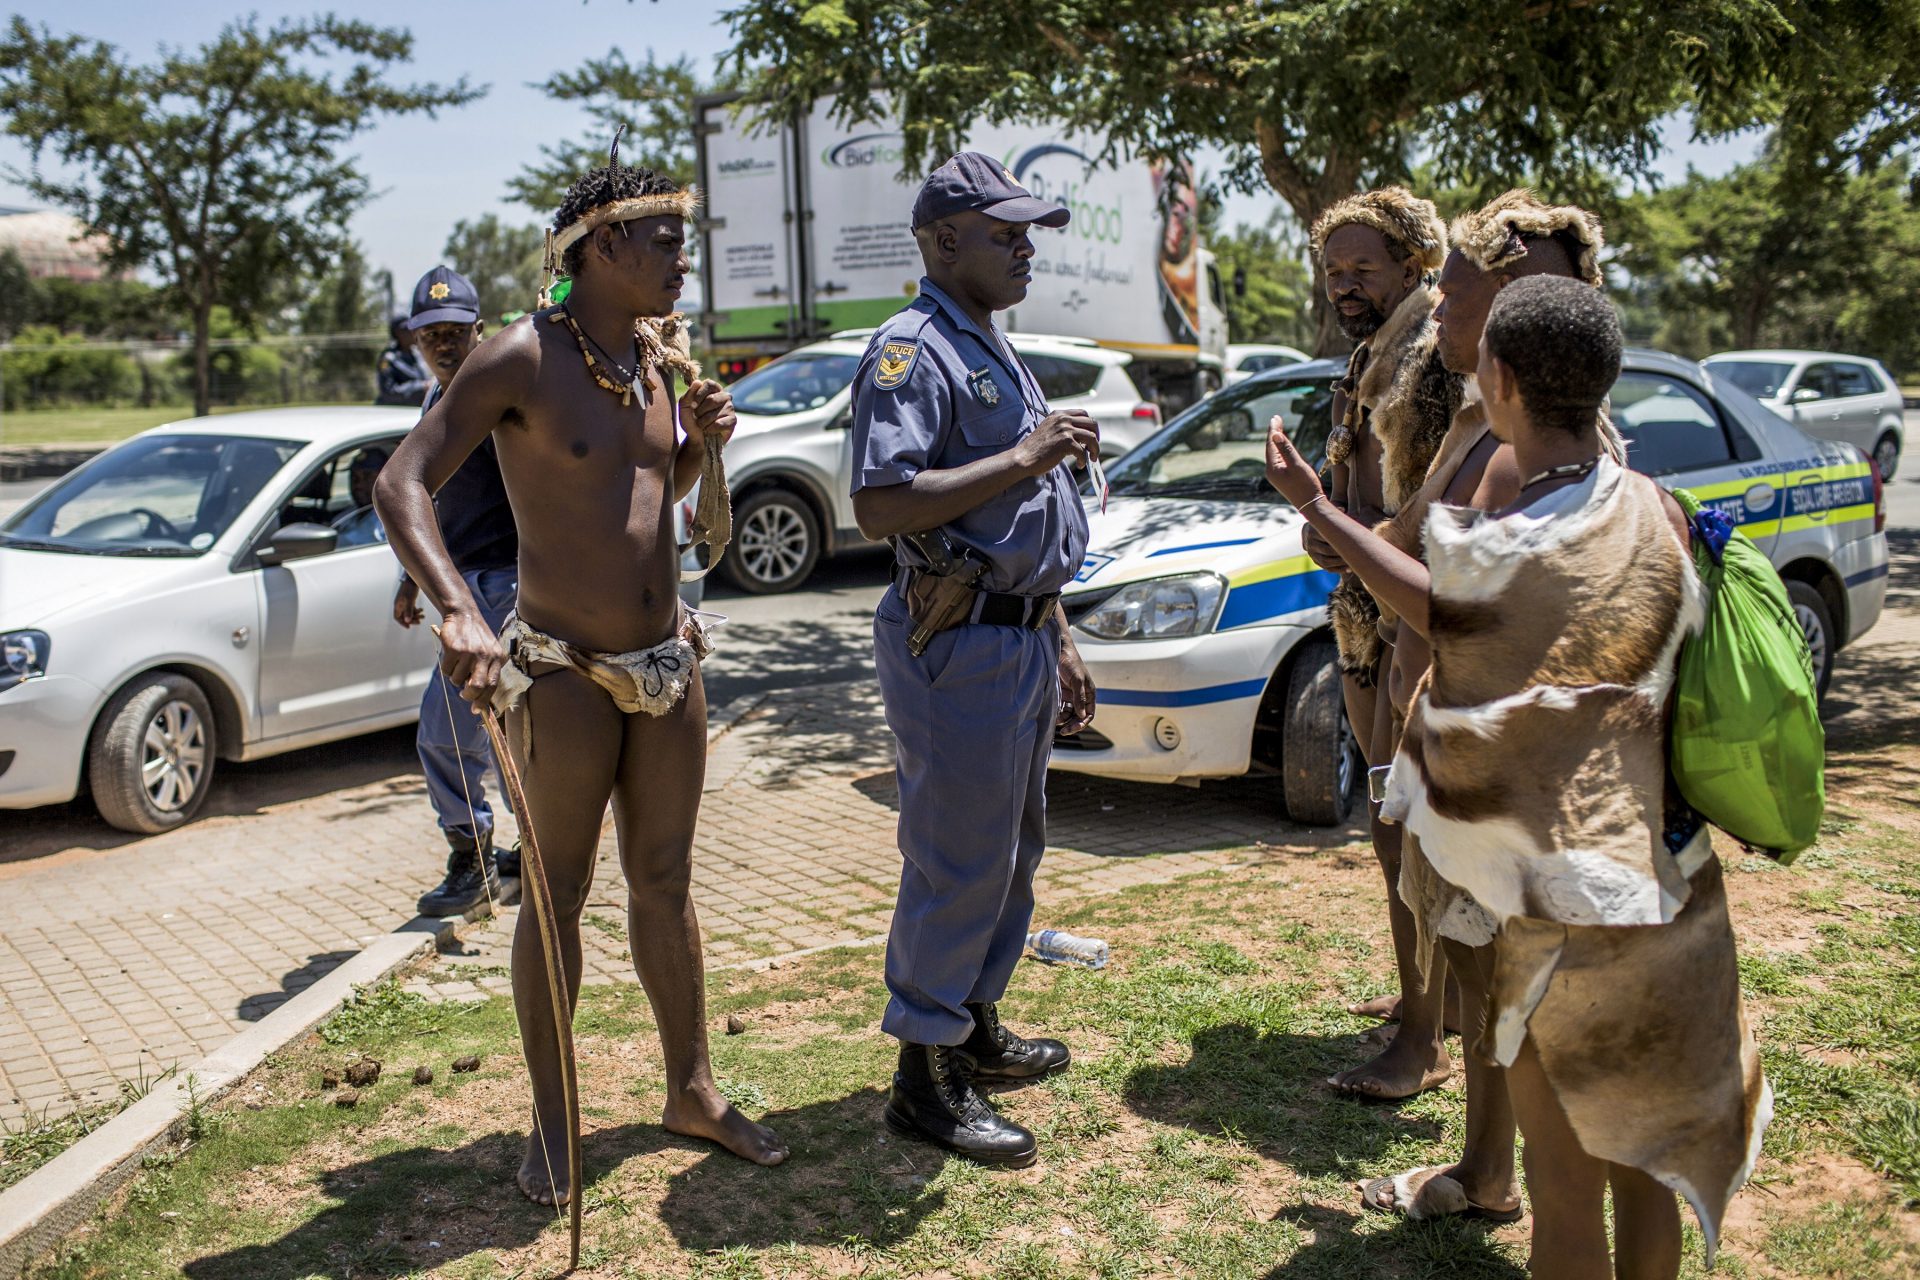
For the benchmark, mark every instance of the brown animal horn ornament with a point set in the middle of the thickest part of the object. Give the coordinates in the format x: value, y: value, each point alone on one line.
x: 540, y: 891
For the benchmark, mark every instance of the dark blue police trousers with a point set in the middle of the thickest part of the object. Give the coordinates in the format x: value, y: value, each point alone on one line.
x: 973, y: 718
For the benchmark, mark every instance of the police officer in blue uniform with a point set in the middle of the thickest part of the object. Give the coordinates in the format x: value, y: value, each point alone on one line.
x: 959, y: 462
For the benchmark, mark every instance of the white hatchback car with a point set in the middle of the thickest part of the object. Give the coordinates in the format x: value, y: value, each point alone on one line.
x: 203, y: 591
x: 1244, y: 359
x: 790, y: 462
x: 1847, y: 398
x: 1204, y: 624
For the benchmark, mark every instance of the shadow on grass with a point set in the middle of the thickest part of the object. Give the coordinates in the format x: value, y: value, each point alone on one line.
x: 842, y: 1182
x: 1269, y: 1091
x: 421, y: 1207
x: 1449, y: 1247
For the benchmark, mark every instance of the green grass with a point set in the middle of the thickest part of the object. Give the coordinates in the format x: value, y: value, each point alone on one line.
x: 93, y: 426
x: 1192, y: 1137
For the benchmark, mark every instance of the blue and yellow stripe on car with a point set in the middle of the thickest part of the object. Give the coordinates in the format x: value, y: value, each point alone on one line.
x: 1274, y: 590
x: 1818, y: 497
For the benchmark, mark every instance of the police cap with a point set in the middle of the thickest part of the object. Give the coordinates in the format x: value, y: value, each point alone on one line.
x: 972, y: 182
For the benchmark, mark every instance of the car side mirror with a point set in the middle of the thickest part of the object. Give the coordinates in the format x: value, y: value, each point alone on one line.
x: 841, y: 421
x: 1803, y: 394
x: 297, y: 542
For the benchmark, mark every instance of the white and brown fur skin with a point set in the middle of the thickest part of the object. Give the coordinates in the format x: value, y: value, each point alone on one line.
x: 1410, y: 399
x: 1532, y: 772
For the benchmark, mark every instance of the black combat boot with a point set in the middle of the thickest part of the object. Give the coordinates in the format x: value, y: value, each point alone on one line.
x: 932, y: 1099
x: 470, y: 878
x: 995, y: 1055
x: 506, y: 873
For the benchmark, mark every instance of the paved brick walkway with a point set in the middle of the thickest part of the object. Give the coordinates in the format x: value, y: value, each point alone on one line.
x: 119, y: 960
x: 796, y: 847
x: 120, y: 957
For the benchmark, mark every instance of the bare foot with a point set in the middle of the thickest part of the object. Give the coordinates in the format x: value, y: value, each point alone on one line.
x: 1385, y: 1008
x: 1398, y: 1072
x: 700, y: 1112
x: 543, y: 1175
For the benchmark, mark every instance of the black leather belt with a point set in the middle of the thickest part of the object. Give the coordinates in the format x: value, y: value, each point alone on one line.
x: 997, y: 608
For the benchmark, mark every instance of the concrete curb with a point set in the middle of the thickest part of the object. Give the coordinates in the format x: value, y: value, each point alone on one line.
x: 36, y: 1213
x: 40, y: 1210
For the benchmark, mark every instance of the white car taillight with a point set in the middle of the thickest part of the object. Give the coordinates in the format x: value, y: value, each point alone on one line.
x: 1147, y: 412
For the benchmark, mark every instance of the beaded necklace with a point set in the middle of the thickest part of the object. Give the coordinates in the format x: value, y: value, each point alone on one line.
x: 596, y: 367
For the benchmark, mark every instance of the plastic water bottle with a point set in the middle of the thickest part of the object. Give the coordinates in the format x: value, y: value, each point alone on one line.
x: 1065, y: 948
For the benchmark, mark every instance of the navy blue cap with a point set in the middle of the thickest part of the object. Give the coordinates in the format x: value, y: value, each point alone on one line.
x: 971, y: 182
x: 444, y: 296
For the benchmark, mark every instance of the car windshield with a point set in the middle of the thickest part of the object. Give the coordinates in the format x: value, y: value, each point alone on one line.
x: 1760, y: 379
x: 1218, y: 448
x: 793, y: 384
x: 154, y: 496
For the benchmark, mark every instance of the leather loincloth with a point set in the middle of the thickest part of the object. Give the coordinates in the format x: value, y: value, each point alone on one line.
x: 652, y: 680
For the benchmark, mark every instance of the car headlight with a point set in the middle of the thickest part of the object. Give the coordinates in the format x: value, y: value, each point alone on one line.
x: 23, y: 655
x: 1158, y: 609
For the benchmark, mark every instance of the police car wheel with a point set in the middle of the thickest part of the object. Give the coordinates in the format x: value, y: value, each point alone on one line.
x: 1816, y: 623
x: 776, y: 543
x: 1320, y: 766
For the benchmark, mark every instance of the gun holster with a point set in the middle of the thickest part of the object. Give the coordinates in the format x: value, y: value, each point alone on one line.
x: 941, y: 597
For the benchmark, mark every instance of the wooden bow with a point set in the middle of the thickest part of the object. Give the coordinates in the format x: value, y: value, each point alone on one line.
x: 533, y: 874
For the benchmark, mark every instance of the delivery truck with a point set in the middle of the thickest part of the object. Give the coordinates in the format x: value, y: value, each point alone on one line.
x: 805, y: 233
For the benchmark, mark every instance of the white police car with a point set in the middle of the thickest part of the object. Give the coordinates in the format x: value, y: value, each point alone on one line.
x: 1204, y: 623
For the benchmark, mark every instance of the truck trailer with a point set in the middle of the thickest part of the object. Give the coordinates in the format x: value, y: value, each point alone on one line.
x: 805, y: 233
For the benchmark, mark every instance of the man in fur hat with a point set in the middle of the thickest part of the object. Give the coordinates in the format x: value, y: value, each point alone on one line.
x: 1532, y: 779
x: 1378, y: 251
x: 596, y: 673
x: 1514, y: 237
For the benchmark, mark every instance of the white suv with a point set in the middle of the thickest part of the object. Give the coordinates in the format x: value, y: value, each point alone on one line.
x: 790, y: 462
x: 1846, y: 398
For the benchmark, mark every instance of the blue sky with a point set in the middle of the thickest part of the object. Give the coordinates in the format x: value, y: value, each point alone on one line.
x: 431, y: 173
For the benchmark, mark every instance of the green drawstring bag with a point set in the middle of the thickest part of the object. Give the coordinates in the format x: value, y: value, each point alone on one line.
x: 1747, y: 749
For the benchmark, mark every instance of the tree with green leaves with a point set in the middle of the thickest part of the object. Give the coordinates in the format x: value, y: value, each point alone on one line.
x: 502, y: 261
x: 1269, y: 289
x: 1318, y: 98
x: 1763, y: 257
x: 222, y: 169
x: 651, y: 98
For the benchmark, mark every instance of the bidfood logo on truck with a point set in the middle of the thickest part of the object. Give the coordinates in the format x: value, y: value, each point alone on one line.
x: 745, y: 167
x: 865, y: 151
x: 1054, y: 171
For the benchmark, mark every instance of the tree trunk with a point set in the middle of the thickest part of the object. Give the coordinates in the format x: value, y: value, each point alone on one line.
x: 203, y: 356
x: 1310, y: 195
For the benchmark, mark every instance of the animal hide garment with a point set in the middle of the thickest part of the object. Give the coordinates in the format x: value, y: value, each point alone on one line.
x: 1532, y: 776
x: 1405, y: 398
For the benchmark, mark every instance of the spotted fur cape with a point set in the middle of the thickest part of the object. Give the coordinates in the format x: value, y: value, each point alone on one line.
x: 1532, y: 776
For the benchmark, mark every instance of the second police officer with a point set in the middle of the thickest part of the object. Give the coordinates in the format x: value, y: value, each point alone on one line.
x: 958, y: 461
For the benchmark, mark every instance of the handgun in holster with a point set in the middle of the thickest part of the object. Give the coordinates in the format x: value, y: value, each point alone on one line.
x: 940, y: 596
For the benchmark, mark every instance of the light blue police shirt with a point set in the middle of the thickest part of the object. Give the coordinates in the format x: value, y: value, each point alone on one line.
x: 933, y: 393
